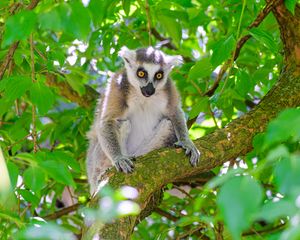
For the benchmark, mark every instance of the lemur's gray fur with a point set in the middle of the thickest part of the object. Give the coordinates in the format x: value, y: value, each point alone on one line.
x: 140, y: 112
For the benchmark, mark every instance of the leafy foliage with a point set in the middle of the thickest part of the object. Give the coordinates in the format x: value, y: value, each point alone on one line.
x: 42, y: 128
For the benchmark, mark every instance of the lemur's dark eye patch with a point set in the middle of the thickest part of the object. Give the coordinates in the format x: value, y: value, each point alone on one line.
x: 159, y: 75
x: 141, y: 73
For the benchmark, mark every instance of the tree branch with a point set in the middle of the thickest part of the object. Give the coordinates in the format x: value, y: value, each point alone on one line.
x: 166, y: 214
x: 290, y: 32
x: 8, y: 58
x: 15, y: 45
x: 166, y: 42
x: 87, y: 100
x: 62, y: 212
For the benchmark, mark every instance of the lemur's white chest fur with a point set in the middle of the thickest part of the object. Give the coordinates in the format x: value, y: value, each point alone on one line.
x: 144, y: 114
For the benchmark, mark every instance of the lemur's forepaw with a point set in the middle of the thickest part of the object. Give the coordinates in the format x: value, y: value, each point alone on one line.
x: 190, y: 149
x: 124, y: 164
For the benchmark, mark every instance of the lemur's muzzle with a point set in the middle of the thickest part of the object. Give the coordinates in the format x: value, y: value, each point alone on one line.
x: 148, y: 90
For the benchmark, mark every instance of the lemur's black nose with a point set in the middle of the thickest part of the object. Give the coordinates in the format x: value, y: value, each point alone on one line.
x: 148, y: 90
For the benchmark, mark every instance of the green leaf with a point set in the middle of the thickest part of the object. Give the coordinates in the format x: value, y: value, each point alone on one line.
x: 264, y: 37
x: 29, y: 197
x: 34, y: 178
x: 58, y: 171
x: 272, y: 211
x: 201, y: 106
x: 201, y: 69
x: 78, y: 22
x: 287, y: 175
x: 42, y: 97
x: 28, y: 157
x: 244, y: 83
x: 13, y: 171
x: 98, y: 10
x: 280, y: 151
x: 64, y: 157
x: 239, y: 201
x: 126, y: 6
x: 188, y: 220
x: 172, y: 27
x: 11, y: 216
x: 222, y: 51
x: 18, y: 27
x: 45, y: 231
x: 51, y: 20
x: 290, y: 5
x: 285, y: 126
x: 4, y: 3
x: 16, y: 86
x: 175, y: 14
x: 75, y: 83
x: 64, y: 17
x: 219, y: 180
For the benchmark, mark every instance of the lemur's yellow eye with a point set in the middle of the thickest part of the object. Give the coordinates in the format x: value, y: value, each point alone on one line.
x: 140, y: 73
x: 159, y: 75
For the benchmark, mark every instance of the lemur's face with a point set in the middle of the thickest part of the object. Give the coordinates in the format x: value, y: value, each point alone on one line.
x: 148, y: 68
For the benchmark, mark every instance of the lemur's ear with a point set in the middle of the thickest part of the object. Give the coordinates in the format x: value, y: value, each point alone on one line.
x: 173, y: 61
x: 127, y: 55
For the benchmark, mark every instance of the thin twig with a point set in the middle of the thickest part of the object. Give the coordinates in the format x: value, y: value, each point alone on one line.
x: 71, y: 195
x: 264, y: 231
x: 213, y: 116
x: 167, y: 43
x: 219, y: 228
x: 68, y: 92
x: 193, y: 231
x: 62, y: 212
x: 233, y: 55
x: 20, y: 140
x: 166, y: 214
x: 34, y: 134
x: 197, y: 87
x: 39, y: 53
x: 183, y: 191
x: 266, y: 10
x: 14, y: 7
x: 33, y: 4
x: 147, y: 8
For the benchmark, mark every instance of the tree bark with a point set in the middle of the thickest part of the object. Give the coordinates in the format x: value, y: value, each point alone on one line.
x: 158, y: 168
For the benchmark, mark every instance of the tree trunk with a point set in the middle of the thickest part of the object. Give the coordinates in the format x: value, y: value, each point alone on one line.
x: 158, y: 168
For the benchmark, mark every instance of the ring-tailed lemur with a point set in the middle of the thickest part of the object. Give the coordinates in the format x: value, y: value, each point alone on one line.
x: 140, y: 112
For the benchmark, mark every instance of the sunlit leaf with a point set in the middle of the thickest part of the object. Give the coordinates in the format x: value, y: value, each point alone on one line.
x: 222, y: 51
x: 265, y: 38
x: 58, y: 171
x: 42, y: 97
x: 18, y: 27
x: 290, y: 5
x: 34, y: 178
x: 238, y: 200
x: 126, y: 6
x: 201, y: 69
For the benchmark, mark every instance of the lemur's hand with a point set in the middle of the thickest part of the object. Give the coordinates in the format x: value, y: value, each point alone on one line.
x: 190, y: 149
x: 124, y: 164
